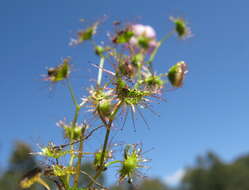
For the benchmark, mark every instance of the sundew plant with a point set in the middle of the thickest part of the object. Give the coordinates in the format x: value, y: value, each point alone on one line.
x: 130, y: 86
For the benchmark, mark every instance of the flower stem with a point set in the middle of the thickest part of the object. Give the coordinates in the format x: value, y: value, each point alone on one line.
x: 113, y: 162
x: 108, y: 130
x: 153, y: 54
x: 75, y: 118
x: 69, y: 86
x: 101, y: 65
x: 80, y: 155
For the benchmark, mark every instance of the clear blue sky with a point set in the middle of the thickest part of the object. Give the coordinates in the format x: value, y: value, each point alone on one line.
x: 209, y: 113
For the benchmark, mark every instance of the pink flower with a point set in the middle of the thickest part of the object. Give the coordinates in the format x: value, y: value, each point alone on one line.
x: 143, y: 30
x: 152, y: 45
x: 144, y: 36
x: 150, y: 32
x: 138, y: 29
x: 133, y: 41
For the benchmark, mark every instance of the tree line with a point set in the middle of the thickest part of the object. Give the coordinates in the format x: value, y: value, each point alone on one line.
x: 209, y: 172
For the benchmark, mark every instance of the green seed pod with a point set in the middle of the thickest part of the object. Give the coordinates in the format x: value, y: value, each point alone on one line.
x: 177, y: 73
x: 181, y: 27
x: 99, y: 50
x: 60, y: 72
x: 131, y: 163
x: 88, y: 33
x: 105, y: 108
x: 126, y: 69
x: 137, y: 60
x: 72, y: 133
x: 154, y: 82
x: 97, y: 158
x: 123, y: 36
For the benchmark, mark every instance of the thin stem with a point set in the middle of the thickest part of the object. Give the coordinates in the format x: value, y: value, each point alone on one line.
x: 77, y: 141
x: 71, y: 92
x: 75, y: 118
x: 76, y: 115
x: 80, y: 156
x: 70, y: 162
x: 108, y: 130
x: 93, y: 180
x: 153, y: 54
x: 113, y: 162
x: 167, y: 36
x: 101, y: 65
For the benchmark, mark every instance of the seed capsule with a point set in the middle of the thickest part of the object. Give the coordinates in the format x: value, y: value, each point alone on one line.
x: 181, y: 27
x: 177, y: 73
x: 60, y: 72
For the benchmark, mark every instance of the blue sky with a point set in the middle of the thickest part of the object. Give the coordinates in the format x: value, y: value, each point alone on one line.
x: 209, y: 113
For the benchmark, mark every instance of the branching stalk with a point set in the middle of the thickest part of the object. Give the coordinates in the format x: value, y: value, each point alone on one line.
x: 108, y: 130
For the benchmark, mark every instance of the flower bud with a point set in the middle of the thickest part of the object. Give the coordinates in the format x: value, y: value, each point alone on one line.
x: 126, y: 69
x: 59, y: 170
x: 137, y: 60
x: 97, y: 158
x: 144, y: 37
x: 60, y: 72
x: 154, y: 82
x: 131, y: 163
x: 105, y: 108
x: 177, y: 73
x: 73, y: 133
x: 123, y: 36
x: 99, y: 50
x: 181, y: 27
x: 87, y: 34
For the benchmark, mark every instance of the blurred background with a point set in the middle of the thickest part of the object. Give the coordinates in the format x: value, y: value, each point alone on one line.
x: 200, y: 141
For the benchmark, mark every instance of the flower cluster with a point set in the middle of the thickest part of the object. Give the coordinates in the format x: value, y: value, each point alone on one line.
x: 143, y: 37
x: 131, y: 83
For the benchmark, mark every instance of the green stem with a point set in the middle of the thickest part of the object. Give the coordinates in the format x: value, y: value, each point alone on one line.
x: 101, y: 65
x: 70, y: 163
x: 71, y: 92
x: 80, y: 155
x: 153, y: 54
x: 101, y: 167
x: 76, y: 115
x: 108, y: 130
x: 112, y: 162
